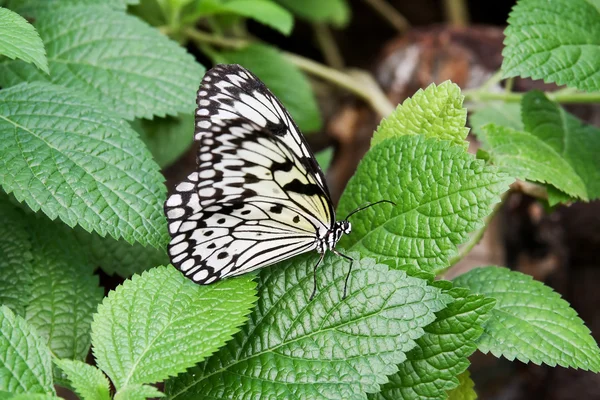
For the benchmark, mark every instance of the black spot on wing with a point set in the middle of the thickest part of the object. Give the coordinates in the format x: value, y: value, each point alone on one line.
x: 308, y: 189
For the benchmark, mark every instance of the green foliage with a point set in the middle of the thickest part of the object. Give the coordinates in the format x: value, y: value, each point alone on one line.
x: 578, y: 144
x: 159, y: 323
x: 280, y: 75
x: 530, y: 322
x: 325, y: 348
x: 442, y: 352
x: 527, y: 157
x: 441, y: 195
x: 118, y: 60
x: 324, y: 158
x: 465, y: 390
x: 137, y: 392
x: 18, y: 39
x: 263, y: 11
x: 31, y: 7
x: 68, y: 157
x: 25, y: 364
x: 336, y: 12
x: 166, y: 138
x: 557, y: 41
x: 88, y: 381
x: 504, y: 114
x: 435, y: 112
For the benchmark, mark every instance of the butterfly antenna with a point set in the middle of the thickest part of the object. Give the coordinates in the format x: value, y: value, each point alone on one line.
x: 367, y: 206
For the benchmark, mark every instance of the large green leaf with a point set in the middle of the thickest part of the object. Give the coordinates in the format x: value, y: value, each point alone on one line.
x: 327, y: 348
x: 64, y: 293
x: 442, y: 194
x: 530, y: 321
x: 527, y: 157
x: 137, y: 392
x: 435, y: 112
x: 68, y: 157
x: 15, y: 257
x: 557, y: 41
x: 465, y: 390
x: 30, y: 8
x: 19, y: 39
x: 280, y: 76
x: 88, y: 381
x: 578, y: 144
x: 336, y: 12
x: 499, y: 113
x: 167, y: 138
x: 431, y: 368
x: 121, y: 62
x: 159, y: 323
x: 25, y: 364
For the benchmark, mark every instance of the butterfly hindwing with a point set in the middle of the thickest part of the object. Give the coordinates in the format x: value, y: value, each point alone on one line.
x: 258, y: 196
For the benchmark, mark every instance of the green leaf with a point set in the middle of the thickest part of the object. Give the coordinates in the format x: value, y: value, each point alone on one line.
x: 115, y: 58
x: 15, y: 257
x: 29, y: 396
x: 578, y: 144
x: 25, y: 364
x: 465, y: 390
x: 137, y: 392
x: 435, y: 112
x: 88, y: 381
x: 441, y: 354
x: 526, y: 157
x: 167, y: 138
x: 159, y: 323
x: 503, y: 114
x: 19, y: 39
x: 324, y: 158
x: 118, y: 256
x: 30, y: 8
x: 556, y: 41
x: 442, y: 194
x: 530, y: 321
x: 324, y: 348
x: 264, y: 11
x: 64, y: 293
x: 336, y: 12
x: 66, y: 156
x: 280, y: 75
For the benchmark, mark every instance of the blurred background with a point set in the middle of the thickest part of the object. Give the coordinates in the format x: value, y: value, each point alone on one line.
x: 407, y: 45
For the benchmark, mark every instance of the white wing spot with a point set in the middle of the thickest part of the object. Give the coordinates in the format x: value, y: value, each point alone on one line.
x: 178, y: 248
x: 185, y: 187
x: 207, y: 192
x: 202, y: 111
x: 206, y: 157
x: 187, y: 264
x: 200, y: 275
x: 203, y: 124
x: 174, y: 200
x: 176, y: 213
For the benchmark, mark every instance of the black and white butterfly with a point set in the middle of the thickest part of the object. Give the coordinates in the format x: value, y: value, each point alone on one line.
x: 258, y: 195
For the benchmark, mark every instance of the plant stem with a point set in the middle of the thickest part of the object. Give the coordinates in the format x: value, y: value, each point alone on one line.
x: 456, y: 12
x: 559, y: 96
x: 369, y: 91
x: 209, y: 38
x: 390, y: 14
x: 329, y: 48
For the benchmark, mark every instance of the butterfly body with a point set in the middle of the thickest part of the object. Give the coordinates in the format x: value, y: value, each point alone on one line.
x: 258, y: 195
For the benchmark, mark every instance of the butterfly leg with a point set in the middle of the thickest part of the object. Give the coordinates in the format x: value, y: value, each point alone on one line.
x: 337, y: 253
x: 312, y: 296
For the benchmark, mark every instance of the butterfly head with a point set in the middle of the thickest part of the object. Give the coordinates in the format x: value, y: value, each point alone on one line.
x: 346, y: 227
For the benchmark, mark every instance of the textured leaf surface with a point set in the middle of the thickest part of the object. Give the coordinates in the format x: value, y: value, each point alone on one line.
x: 31, y: 7
x: 15, y: 257
x: 431, y: 368
x: 19, y: 39
x: 137, y: 392
x: 527, y: 157
x: 64, y: 293
x: 159, y: 323
x: 263, y: 11
x: 167, y: 138
x: 327, y: 348
x: 119, y: 257
x: 280, y: 75
x: 578, y: 144
x: 502, y: 114
x: 434, y: 112
x: 88, y: 381
x: 126, y: 65
x: 558, y: 41
x: 442, y: 194
x: 465, y: 390
x: 66, y: 156
x: 25, y: 364
x: 336, y: 12
x: 530, y: 321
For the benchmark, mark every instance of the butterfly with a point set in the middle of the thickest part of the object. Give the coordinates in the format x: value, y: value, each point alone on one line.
x: 258, y: 196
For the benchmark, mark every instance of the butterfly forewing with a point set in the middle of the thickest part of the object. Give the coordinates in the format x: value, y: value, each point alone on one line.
x: 258, y: 196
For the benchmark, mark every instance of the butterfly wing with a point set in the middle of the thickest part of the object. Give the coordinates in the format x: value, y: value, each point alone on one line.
x: 258, y: 197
